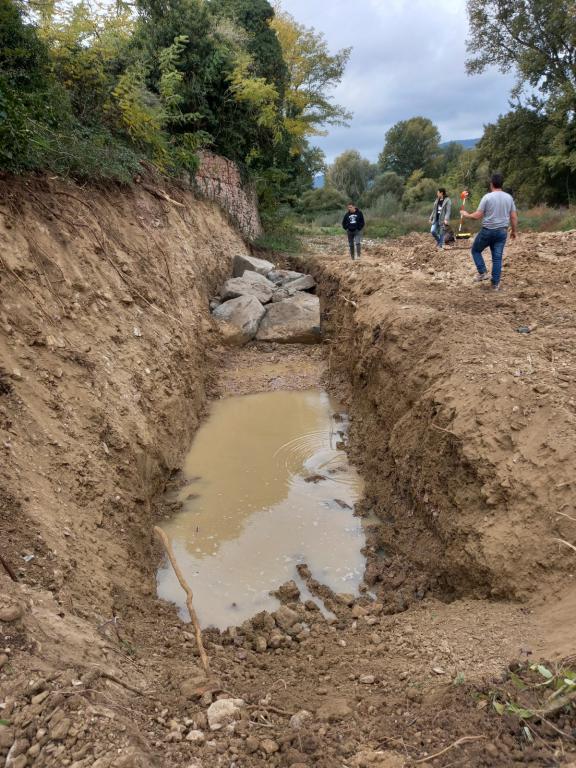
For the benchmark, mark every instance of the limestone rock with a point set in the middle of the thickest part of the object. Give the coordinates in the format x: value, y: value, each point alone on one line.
x: 239, y: 319
x: 304, y: 283
x: 223, y: 712
x: 284, y: 292
x: 252, y: 264
x: 250, y: 284
x: 292, y: 321
x: 283, y: 276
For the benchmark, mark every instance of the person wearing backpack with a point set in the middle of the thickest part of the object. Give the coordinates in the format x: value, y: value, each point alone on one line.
x: 440, y: 216
x: 353, y: 223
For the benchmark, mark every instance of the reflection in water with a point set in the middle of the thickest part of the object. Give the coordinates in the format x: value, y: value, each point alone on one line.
x: 249, y: 515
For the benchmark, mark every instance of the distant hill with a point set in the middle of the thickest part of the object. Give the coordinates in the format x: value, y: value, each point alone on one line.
x: 466, y: 143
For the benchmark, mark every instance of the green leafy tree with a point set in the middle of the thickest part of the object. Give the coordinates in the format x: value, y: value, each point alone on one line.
x: 419, y: 189
x: 351, y: 173
x: 255, y: 18
x: 535, y: 38
x: 312, y: 73
x: 517, y: 145
x: 323, y: 200
x: 410, y: 145
x: 389, y: 185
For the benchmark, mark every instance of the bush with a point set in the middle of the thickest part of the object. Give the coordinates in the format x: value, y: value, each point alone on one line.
x: 324, y: 199
x: 386, y: 205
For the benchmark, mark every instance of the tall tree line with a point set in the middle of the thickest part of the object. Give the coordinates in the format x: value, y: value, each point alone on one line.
x: 93, y: 94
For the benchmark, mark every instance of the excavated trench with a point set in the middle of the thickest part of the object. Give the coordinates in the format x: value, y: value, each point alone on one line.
x: 108, y: 360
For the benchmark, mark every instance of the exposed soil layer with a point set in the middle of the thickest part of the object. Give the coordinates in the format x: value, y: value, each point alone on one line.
x: 464, y: 425
x: 108, y: 354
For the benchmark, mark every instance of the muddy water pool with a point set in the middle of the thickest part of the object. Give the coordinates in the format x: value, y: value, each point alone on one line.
x: 265, y: 486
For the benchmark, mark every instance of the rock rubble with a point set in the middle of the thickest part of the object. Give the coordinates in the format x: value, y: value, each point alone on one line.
x: 268, y: 304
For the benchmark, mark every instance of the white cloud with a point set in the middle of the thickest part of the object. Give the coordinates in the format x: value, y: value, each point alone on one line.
x: 408, y: 59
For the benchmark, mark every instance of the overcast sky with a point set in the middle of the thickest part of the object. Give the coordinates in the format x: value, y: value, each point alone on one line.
x: 407, y: 60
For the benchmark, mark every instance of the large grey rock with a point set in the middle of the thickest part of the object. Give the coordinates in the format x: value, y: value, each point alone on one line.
x: 239, y: 319
x: 304, y: 283
x: 283, y: 276
x: 251, y: 264
x: 292, y: 321
x: 284, y: 292
x: 250, y: 284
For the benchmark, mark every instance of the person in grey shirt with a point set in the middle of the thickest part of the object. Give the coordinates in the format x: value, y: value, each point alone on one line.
x: 498, y: 212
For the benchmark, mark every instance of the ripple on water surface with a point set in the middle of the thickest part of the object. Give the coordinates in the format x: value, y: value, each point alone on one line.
x: 265, y: 488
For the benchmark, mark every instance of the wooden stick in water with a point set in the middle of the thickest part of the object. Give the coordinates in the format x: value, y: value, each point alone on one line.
x: 189, y: 595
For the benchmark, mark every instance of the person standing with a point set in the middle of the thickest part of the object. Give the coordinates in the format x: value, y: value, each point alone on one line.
x: 440, y: 216
x: 498, y: 212
x: 353, y: 223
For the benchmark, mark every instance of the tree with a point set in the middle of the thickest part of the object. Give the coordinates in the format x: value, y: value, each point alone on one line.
x: 262, y: 44
x: 388, y: 185
x: 410, y: 145
x: 537, y: 39
x: 515, y: 145
x: 312, y: 72
x: 350, y: 173
x: 322, y: 200
x: 534, y: 37
x: 418, y: 189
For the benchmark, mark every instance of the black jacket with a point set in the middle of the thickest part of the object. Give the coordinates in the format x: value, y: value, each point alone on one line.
x: 353, y: 222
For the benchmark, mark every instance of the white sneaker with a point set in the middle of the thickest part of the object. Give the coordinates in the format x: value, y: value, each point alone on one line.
x: 481, y: 277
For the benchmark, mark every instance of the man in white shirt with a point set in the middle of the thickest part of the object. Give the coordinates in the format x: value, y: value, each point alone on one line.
x: 498, y: 212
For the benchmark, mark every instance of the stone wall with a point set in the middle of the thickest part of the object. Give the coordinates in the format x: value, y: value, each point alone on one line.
x: 219, y: 180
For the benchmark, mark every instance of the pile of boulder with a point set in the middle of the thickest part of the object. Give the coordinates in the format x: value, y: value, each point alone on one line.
x: 267, y: 304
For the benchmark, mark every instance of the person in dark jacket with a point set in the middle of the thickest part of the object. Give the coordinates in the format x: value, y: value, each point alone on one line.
x: 353, y: 223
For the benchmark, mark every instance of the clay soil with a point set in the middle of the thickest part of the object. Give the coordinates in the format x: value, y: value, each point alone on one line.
x: 462, y: 427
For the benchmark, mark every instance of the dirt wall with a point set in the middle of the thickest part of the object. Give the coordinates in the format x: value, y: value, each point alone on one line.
x: 463, y: 425
x: 104, y: 348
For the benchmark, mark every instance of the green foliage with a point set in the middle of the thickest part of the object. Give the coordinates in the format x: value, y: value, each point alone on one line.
x: 410, y: 145
x: 320, y: 200
x: 536, y: 39
x: 385, y: 185
x: 312, y: 73
x: 419, y: 188
x: 350, y: 174
x: 90, y: 91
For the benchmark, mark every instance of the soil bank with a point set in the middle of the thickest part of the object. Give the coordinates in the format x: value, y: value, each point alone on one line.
x: 108, y: 356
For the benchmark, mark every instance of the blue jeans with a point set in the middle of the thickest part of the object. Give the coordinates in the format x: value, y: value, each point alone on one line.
x: 437, y: 231
x: 495, y: 239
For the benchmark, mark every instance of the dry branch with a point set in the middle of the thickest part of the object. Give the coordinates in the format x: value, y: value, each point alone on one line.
x: 568, y: 516
x: 189, y: 595
x: 463, y: 740
x: 562, y: 541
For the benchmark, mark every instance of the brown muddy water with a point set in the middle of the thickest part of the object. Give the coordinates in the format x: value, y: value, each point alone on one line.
x: 266, y: 486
